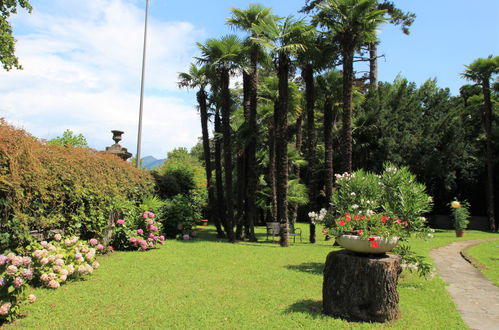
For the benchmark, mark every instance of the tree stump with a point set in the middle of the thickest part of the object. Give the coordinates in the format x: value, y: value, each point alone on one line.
x: 361, y: 287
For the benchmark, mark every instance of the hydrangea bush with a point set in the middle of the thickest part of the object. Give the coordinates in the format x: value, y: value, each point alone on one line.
x: 15, y: 273
x: 143, y: 235
x: 391, y: 204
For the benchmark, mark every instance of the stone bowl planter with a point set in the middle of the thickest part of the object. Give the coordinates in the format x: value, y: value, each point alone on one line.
x: 363, y: 245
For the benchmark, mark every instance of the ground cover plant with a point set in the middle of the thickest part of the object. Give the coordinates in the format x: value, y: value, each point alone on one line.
x: 485, y: 257
x: 205, y: 283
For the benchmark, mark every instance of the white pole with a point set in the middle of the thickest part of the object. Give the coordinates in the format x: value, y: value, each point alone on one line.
x: 139, y: 137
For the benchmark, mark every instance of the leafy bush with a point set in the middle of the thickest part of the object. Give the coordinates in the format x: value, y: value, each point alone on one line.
x: 367, y: 204
x: 181, y: 214
x: 143, y: 234
x: 460, y: 214
x: 15, y: 272
x: 45, y: 187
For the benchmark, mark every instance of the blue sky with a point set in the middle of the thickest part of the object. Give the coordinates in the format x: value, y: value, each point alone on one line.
x: 82, y: 62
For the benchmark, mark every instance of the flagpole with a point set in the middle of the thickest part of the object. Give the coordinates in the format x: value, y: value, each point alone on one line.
x: 141, y: 108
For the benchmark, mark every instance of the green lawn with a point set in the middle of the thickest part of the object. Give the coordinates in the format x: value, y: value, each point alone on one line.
x: 485, y: 257
x: 205, y: 284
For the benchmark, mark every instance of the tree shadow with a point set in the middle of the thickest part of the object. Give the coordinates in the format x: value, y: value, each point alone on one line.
x: 316, y: 268
x: 309, y: 306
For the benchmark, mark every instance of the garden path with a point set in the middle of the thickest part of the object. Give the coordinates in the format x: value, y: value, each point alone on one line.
x: 476, y: 298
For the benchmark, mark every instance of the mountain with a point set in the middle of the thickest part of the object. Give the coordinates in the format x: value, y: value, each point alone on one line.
x: 150, y: 162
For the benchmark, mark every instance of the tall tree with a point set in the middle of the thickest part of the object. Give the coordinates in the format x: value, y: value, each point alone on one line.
x: 246, y: 19
x: 7, y: 42
x: 224, y: 56
x: 352, y: 23
x: 198, y: 78
x: 283, y: 41
x: 481, y: 72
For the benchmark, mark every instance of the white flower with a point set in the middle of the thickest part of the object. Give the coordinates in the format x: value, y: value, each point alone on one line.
x: 352, y: 193
x: 355, y: 206
x: 369, y: 212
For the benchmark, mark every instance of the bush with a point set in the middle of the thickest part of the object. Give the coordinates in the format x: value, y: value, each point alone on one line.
x: 143, y: 234
x: 15, y: 272
x: 460, y: 214
x: 181, y: 215
x: 45, y: 187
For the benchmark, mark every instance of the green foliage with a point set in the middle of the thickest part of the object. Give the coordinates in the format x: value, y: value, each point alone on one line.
x: 390, y: 204
x: 181, y: 214
x: 484, y: 257
x: 460, y: 214
x: 413, y: 262
x: 68, y: 138
x: 45, y: 187
x: 7, y: 41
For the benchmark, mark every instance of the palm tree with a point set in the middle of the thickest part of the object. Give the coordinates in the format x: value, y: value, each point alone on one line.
x: 283, y: 41
x: 197, y: 78
x: 352, y: 23
x: 224, y: 56
x: 481, y: 72
x: 245, y: 20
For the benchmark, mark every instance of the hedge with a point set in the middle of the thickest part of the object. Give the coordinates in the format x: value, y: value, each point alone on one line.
x: 45, y: 187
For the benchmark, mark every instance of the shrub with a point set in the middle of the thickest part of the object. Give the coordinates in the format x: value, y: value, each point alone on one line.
x: 181, y: 214
x: 15, y: 272
x: 460, y: 214
x: 45, y: 187
x: 143, y: 234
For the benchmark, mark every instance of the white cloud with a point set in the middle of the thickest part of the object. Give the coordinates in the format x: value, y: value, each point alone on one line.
x: 82, y: 72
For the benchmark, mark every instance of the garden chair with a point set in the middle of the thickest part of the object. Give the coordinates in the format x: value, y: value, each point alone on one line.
x: 274, y: 229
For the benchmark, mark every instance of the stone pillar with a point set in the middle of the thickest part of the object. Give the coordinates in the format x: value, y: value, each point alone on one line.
x: 361, y: 287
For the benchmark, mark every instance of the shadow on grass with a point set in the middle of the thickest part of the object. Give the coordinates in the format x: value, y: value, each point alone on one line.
x: 316, y: 268
x: 308, y: 306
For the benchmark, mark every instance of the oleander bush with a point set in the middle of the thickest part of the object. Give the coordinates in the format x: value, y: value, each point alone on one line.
x: 45, y: 187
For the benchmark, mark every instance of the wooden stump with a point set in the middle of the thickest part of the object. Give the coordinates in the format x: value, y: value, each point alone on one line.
x: 361, y: 287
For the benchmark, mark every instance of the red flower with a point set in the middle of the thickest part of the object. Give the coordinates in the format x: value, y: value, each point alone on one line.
x: 324, y: 231
x: 371, y: 239
x: 356, y: 218
x: 361, y: 218
x: 374, y: 244
x: 347, y: 216
x: 406, y: 224
x: 383, y: 219
x: 342, y: 223
x: 359, y: 232
x: 398, y: 220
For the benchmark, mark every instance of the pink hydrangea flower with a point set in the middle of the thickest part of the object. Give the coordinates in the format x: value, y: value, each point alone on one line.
x: 57, y: 237
x: 162, y: 238
x: 3, y: 260
x: 120, y: 221
x: 151, y: 245
x: 185, y: 237
x: 140, y: 231
x: 18, y: 282
x: 11, y: 270
x: 44, y: 243
x: 110, y: 248
x: 93, y: 241
x: 100, y: 247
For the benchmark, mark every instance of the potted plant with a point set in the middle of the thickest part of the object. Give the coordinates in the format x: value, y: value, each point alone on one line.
x: 369, y: 212
x: 460, y: 215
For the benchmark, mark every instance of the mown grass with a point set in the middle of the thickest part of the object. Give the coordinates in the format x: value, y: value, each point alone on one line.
x: 206, y: 284
x: 486, y: 259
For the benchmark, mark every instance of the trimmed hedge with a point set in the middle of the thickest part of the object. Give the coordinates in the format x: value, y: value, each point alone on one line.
x: 46, y: 187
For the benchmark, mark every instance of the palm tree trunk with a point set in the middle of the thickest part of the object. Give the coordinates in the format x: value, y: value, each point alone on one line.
x: 296, y: 169
x: 281, y: 147
x: 346, y: 153
x: 251, y: 165
x: 218, y: 172
x: 212, y: 209
x: 272, y: 165
x: 373, y: 66
x: 226, y: 129
x: 328, y: 150
x: 308, y: 77
x: 490, y: 163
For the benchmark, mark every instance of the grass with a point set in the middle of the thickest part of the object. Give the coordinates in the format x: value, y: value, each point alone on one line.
x: 485, y: 257
x: 206, y: 284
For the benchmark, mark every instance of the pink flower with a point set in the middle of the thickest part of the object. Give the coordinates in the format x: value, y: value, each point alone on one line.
x: 151, y: 245
x: 110, y: 248
x: 151, y: 235
x: 154, y: 228
x: 133, y: 239
x: 57, y: 237
x: 143, y: 247
x: 185, y: 237
x: 18, y: 282
x: 93, y: 241
x: 162, y: 238
x: 162, y: 242
x: 120, y: 221
x: 3, y: 260
x: 100, y: 247
x: 140, y: 231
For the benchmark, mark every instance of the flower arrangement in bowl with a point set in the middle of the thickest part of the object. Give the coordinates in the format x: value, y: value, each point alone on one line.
x: 375, y: 211
x: 460, y: 215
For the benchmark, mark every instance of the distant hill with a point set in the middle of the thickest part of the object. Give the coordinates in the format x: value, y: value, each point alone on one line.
x: 150, y: 162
